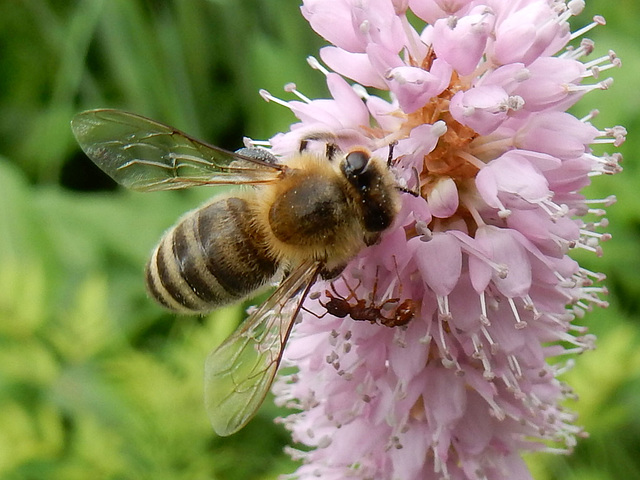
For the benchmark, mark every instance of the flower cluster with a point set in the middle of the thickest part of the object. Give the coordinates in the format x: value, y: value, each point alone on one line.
x: 472, y: 286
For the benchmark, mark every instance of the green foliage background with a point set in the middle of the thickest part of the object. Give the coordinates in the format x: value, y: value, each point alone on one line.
x: 97, y: 382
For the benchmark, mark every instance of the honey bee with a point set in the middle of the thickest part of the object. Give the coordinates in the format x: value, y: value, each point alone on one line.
x: 303, y: 218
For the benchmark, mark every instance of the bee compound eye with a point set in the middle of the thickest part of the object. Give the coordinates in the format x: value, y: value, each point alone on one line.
x: 356, y: 162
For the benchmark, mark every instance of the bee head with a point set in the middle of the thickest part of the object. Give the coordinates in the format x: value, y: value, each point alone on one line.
x: 374, y: 186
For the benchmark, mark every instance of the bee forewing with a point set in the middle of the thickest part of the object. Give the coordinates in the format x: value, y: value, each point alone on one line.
x: 239, y: 373
x: 142, y: 154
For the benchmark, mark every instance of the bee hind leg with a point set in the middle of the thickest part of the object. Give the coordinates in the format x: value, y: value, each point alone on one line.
x: 261, y: 154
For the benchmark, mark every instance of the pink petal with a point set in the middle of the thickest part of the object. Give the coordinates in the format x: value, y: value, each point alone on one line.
x: 443, y: 198
x: 523, y: 35
x: 414, y: 86
x: 356, y: 66
x: 354, y: 112
x: 548, y: 83
x: 559, y: 134
x: 481, y: 108
x: 439, y: 261
x: 504, y: 249
x: 431, y: 11
x: 462, y: 43
x: 511, y: 181
x: 333, y: 21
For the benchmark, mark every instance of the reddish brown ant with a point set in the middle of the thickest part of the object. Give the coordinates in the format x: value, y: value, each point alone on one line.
x: 368, y: 311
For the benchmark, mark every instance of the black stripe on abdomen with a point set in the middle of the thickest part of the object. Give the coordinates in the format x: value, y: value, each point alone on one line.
x: 214, y: 256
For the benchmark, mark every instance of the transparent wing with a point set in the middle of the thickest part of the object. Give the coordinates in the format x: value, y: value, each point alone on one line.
x: 239, y: 373
x: 142, y: 154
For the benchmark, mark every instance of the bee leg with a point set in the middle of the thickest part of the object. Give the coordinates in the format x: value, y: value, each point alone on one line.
x: 329, y: 139
x: 333, y: 273
x: 371, y: 238
x: 331, y: 149
x: 258, y: 154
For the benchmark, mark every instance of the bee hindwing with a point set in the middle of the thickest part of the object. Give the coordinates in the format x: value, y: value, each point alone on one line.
x: 239, y: 373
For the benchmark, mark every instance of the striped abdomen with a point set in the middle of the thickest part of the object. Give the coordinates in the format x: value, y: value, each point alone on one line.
x: 213, y: 257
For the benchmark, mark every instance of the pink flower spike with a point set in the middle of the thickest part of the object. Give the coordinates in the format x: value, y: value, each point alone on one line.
x: 431, y: 355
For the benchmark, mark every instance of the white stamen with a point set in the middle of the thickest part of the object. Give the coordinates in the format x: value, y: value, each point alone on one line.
x: 439, y: 128
x: 365, y: 27
x: 484, y: 318
x: 520, y: 324
x: 590, y: 116
x: 316, y: 65
x: 291, y: 88
x: 476, y: 162
x: 494, y: 346
x: 361, y: 91
x: 597, y: 20
x: 270, y: 98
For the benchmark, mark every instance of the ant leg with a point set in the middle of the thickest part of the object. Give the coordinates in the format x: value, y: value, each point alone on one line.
x: 352, y: 290
x: 394, y: 299
x: 406, y: 310
x: 374, y: 290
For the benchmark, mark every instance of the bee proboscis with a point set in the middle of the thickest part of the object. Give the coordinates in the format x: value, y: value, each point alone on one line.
x: 304, y: 217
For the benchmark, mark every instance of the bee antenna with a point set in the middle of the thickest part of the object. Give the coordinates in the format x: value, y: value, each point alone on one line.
x: 390, y: 156
x: 413, y: 193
